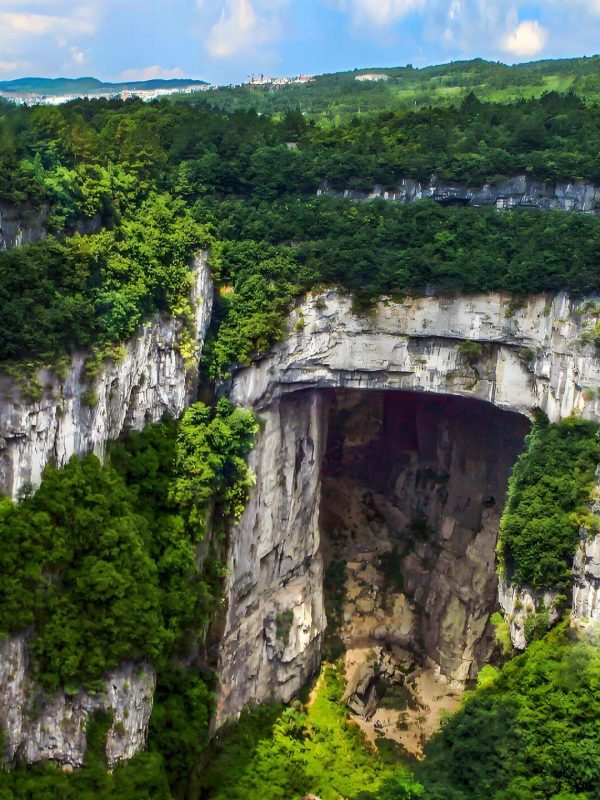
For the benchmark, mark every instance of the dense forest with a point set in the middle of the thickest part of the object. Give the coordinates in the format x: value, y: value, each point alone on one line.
x: 101, y: 563
x: 163, y: 180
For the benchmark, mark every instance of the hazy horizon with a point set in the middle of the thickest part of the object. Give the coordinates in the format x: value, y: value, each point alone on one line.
x: 224, y: 41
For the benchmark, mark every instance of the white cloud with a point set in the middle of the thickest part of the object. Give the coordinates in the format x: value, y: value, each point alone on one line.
x: 527, y: 39
x: 234, y: 28
x: 152, y: 73
x: 33, y: 24
x: 78, y: 56
x: 381, y: 12
x: 241, y: 27
x: 44, y: 36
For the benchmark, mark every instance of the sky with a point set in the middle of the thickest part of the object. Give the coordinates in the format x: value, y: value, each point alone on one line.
x: 225, y: 41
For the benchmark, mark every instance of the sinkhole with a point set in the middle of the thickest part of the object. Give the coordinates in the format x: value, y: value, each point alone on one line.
x: 412, y: 491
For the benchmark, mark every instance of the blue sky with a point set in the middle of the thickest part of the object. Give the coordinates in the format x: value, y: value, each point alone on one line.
x: 224, y: 41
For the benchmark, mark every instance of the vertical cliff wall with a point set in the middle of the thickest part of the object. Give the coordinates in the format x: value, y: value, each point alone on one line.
x: 516, y: 356
x: 519, y: 191
x: 275, y: 616
x: 77, y: 415
x: 40, y: 727
x: 413, y: 491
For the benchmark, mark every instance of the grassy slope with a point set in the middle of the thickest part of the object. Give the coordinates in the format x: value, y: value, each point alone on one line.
x: 335, y: 96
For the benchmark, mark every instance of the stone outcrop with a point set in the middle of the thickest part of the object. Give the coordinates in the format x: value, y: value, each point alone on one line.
x: 519, y: 603
x: 77, y: 415
x: 519, y: 357
x: 20, y: 226
x: 586, y: 590
x: 586, y: 570
x: 522, y: 191
x: 275, y: 616
x: 40, y: 727
x: 528, y: 356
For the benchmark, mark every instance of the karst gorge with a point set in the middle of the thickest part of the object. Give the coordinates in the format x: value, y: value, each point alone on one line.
x: 299, y: 452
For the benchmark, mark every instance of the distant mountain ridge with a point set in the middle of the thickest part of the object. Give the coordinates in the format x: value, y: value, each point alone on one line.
x: 60, y: 86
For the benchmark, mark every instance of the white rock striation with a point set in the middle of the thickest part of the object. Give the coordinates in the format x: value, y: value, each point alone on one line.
x: 586, y: 589
x: 529, y: 357
x: 76, y: 415
x: 38, y: 727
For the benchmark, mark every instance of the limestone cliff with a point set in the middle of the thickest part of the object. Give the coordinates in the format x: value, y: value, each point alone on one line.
x: 486, y: 347
x: 275, y: 612
x: 77, y: 415
x: 20, y: 226
x: 530, y: 356
x: 150, y: 379
x: 586, y: 590
x: 40, y: 727
x: 521, y: 191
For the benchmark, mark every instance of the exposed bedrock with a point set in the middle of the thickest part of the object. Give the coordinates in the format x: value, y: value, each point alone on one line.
x: 275, y: 616
x: 20, y: 225
x: 150, y: 379
x: 37, y: 726
x: 77, y: 415
x: 515, y: 356
x: 530, y: 355
x: 519, y: 191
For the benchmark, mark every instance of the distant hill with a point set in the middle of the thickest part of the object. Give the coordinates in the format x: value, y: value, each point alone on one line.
x: 63, y: 86
x: 345, y: 93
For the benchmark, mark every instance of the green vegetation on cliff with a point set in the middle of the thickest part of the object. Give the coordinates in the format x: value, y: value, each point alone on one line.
x: 268, y: 253
x: 533, y: 733
x: 141, y: 171
x: 530, y: 731
x: 96, y: 290
x: 104, y: 563
x: 548, y: 501
x: 101, y: 561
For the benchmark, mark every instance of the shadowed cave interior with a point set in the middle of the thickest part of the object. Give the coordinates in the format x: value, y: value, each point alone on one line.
x: 412, y: 493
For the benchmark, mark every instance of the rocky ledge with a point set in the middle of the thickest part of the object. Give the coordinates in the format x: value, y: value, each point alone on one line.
x: 37, y: 726
x: 522, y: 191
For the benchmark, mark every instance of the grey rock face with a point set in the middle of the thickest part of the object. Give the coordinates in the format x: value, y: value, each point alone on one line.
x: 586, y: 569
x: 19, y: 226
x: 37, y: 727
x: 530, y: 357
x: 586, y: 585
x: 150, y: 379
x: 365, y: 691
x: 520, y: 191
x: 275, y: 568
x: 521, y: 602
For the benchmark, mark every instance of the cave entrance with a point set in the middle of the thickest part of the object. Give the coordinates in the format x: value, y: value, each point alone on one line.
x: 412, y: 492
